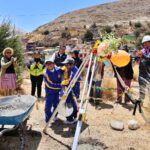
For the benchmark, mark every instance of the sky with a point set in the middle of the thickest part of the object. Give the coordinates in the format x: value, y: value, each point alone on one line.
x: 27, y: 15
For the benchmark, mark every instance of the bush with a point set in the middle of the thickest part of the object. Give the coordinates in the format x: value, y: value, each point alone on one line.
x: 130, y: 23
x: 65, y: 35
x: 55, y: 44
x: 147, y: 33
x: 46, y: 32
x: 137, y: 33
x: 116, y: 26
x: 8, y: 38
x: 107, y: 29
x: 138, y: 43
x: 66, y: 28
x: 138, y: 25
x: 88, y: 36
x: 93, y: 25
x: 84, y: 26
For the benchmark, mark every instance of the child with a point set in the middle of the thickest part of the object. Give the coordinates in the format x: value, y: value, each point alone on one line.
x: 72, y: 69
x: 7, y: 74
x: 52, y: 79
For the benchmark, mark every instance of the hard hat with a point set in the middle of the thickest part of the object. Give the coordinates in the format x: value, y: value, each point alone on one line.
x: 146, y: 38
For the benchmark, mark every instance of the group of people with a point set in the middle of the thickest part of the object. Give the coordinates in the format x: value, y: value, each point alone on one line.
x: 126, y: 72
x: 60, y: 70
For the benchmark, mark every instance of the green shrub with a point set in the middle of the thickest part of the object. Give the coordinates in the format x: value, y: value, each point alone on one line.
x: 93, y: 25
x: 130, y: 23
x: 138, y: 25
x: 46, y: 32
x: 107, y: 29
x: 147, y: 33
x: 137, y: 33
x: 116, y: 26
x: 88, y: 36
x: 65, y: 35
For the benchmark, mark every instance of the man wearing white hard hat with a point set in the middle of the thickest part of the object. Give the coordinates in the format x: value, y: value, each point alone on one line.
x: 144, y: 67
x: 52, y: 79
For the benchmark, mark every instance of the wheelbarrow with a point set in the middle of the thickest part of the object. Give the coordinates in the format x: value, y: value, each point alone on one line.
x: 14, y: 113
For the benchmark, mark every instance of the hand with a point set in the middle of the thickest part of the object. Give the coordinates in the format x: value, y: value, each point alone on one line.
x: 65, y: 82
x: 109, y: 56
x: 12, y: 59
x: 15, y: 58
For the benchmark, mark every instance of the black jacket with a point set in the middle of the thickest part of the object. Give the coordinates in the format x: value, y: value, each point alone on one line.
x: 59, y: 59
x: 126, y: 71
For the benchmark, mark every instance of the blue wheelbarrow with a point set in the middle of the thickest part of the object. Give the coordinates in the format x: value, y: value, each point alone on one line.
x: 14, y: 113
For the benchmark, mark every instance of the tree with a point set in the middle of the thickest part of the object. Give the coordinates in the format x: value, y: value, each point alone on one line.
x: 66, y: 35
x: 88, y: 36
x: 8, y: 38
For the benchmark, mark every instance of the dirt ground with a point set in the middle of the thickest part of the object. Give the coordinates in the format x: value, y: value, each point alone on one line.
x: 96, y: 133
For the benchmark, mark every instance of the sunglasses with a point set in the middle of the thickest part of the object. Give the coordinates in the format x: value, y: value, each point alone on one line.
x: 8, y: 52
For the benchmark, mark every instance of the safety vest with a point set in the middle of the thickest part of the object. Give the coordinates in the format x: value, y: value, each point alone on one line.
x: 36, y: 68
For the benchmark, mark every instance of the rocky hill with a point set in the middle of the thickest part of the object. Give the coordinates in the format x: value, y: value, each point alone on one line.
x: 120, y: 15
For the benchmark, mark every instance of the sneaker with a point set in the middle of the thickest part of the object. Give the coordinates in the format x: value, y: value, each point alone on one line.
x: 70, y: 122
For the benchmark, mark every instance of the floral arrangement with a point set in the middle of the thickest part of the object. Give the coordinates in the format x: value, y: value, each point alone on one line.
x: 109, y: 44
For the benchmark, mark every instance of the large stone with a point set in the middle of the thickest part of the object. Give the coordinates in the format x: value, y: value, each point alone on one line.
x: 117, y: 125
x: 133, y: 125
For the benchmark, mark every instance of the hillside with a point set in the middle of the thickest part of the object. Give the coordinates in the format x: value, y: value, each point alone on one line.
x: 120, y: 15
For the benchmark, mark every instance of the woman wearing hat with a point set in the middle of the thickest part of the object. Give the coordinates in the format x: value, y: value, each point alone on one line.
x: 7, y: 74
x: 126, y: 74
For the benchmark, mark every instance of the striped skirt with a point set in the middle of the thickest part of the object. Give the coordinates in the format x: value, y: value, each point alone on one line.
x: 8, y: 81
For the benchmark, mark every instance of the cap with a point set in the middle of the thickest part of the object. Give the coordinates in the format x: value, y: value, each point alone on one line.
x: 50, y: 60
x: 146, y: 38
x: 68, y: 60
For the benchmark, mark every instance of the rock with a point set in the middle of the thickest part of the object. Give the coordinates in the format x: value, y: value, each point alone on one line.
x: 117, y: 125
x: 133, y: 125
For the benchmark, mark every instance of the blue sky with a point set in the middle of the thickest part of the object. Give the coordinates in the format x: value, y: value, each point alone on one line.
x: 30, y: 14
